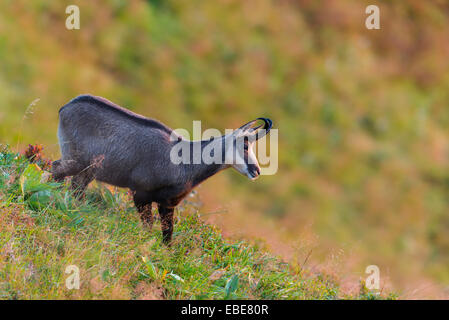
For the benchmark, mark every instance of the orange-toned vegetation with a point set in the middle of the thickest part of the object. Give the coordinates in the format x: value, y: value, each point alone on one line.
x: 362, y: 114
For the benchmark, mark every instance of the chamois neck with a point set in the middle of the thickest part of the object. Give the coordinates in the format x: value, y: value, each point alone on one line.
x: 197, y: 169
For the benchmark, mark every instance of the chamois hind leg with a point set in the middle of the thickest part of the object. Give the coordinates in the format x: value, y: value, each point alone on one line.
x: 166, y: 214
x: 80, y: 182
x: 142, y: 201
x: 64, y: 168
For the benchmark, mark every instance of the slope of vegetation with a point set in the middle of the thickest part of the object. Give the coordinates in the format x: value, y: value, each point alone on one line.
x: 43, y: 230
x: 363, y: 114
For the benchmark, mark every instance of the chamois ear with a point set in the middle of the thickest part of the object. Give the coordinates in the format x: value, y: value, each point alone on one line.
x: 246, y: 127
x: 257, y: 134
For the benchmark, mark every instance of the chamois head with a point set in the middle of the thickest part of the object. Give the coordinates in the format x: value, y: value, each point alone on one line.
x: 239, y: 152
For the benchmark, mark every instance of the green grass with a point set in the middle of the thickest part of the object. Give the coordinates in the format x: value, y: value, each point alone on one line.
x: 362, y: 114
x: 43, y: 229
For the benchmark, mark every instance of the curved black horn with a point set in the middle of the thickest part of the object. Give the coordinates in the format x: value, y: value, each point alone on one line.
x: 257, y: 134
x: 268, y: 123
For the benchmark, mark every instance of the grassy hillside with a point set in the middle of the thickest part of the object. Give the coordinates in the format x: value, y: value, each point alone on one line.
x: 43, y: 229
x: 362, y: 114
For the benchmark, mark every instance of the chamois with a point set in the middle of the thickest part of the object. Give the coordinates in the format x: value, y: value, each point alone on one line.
x: 103, y: 141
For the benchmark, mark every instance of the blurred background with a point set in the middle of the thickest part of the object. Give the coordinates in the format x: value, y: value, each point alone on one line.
x: 363, y: 115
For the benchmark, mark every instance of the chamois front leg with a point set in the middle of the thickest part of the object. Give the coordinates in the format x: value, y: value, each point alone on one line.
x: 142, y: 201
x: 166, y: 215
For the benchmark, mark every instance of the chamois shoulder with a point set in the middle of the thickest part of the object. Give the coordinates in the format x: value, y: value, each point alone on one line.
x: 107, y: 105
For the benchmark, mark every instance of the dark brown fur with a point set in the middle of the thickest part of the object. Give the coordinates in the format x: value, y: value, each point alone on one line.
x: 100, y: 140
